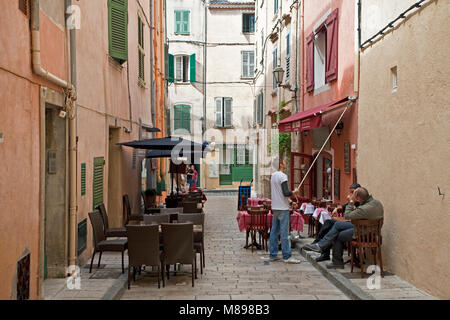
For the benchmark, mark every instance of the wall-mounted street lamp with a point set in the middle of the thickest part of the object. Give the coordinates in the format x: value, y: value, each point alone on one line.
x: 339, y: 128
x: 279, y: 75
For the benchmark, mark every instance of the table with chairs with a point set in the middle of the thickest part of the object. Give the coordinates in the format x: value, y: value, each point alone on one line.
x: 257, y: 221
x: 159, y: 238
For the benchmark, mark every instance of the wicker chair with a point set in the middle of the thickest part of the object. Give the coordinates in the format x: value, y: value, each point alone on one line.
x: 178, y: 244
x: 127, y: 211
x: 198, y: 219
x: 110, y: 232
x: 100, y: 242
x: 143, y: 249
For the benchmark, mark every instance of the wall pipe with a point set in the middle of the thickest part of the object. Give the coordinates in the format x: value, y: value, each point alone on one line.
x: 70, y: 94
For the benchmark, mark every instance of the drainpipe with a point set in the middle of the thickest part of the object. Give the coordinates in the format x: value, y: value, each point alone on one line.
x: 70, y: 93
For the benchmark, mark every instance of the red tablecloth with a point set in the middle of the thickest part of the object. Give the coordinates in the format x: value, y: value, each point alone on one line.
x: 244, y: 220
x: 253, y: 202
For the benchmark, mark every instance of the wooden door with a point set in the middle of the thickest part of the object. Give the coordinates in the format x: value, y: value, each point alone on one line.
x: 300, y: 163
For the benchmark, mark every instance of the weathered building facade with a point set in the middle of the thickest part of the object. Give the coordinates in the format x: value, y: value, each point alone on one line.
x: 75, y: 80
x: 404, y: 134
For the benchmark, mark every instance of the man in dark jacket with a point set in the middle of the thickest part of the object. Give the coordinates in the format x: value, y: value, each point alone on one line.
x: 342, y: 232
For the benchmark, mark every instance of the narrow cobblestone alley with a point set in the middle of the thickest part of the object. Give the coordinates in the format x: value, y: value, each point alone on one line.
x: 233, y: 272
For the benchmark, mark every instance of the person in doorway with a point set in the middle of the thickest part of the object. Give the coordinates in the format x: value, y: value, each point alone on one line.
x: 325, y: 256
x: 342, y: 232
x: 280, y: 210
x: 190, y: 176
x: 194, y: 176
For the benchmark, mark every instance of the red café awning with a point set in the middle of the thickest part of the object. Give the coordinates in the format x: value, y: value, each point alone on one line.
x: 306, y: 120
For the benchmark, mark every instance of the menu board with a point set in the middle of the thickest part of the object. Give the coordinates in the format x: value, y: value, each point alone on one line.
x: 347, y: 157
x: 337, y: 183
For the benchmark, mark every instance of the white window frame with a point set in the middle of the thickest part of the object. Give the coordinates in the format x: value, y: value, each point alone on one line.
x: 249, y: 70
x: 222, y: 112
x: 185, y: 58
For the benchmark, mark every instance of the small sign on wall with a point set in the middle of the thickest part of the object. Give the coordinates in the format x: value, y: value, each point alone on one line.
x: 213, y: 169
x: 347, y: 157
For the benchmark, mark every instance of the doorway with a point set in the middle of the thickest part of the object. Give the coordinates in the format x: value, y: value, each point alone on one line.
x: 323, y: 176
x: 56, y: 204
x: 300, y: 163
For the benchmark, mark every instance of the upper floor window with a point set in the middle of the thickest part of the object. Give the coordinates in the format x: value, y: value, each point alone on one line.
x: 182, y: 68
x: 275, y: 6
x: 248, y: 23
x: 224, y: 112
x: 322, y: 53
x: 275, y: 64
x: 141, y: 51
x: 248, y: 64
x: 288, y: 56
x: 182, y: 21
x: 182, y: 118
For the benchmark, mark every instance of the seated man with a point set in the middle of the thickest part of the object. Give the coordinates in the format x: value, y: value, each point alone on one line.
x: 329, y: 224
x: 342, y: 232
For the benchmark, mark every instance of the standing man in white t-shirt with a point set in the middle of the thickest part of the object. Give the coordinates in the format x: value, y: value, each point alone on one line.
x: 280, y: 211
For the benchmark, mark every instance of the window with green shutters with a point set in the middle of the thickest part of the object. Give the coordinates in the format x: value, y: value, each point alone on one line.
x: 182, y: 68
x: 118, y: 29
x: 182, y: 118
x: 141, y: 51
x: 97, y: 196
x: 83, y: 179
x: 260, y: 109
x: 182, y: 22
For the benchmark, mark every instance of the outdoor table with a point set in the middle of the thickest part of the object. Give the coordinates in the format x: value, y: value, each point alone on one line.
x: 307, y: 208
x: 254, y: 202
x: 322, y: 215
x: 244, y: 220
x: 342, y: 219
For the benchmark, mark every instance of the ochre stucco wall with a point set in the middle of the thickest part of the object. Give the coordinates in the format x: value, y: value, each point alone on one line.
x: 404, y: 140
x: 20, y: 151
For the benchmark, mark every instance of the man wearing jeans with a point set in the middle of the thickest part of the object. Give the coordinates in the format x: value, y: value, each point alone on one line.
x: 280, y: 211
x: 342, y: 232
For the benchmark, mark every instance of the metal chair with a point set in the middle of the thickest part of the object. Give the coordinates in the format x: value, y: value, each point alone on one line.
x: 100, y: 242
x: 143, y: 249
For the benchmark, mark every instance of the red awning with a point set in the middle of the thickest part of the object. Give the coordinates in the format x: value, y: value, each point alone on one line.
x: 306, y: 120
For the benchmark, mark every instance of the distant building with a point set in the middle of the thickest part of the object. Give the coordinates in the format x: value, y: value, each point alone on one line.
x: 210, y: 88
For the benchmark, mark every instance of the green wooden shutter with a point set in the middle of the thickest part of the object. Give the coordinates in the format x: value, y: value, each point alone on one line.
x: 118, y: 29
x: 166, y: 61
x: 187, y: 118
x: 176, y: 118
x: 83, y: 179
x: 186, y: 23
x: 98, y: 181
x: 192, y: 68
x: 171, y: 68
x: 178, y: 21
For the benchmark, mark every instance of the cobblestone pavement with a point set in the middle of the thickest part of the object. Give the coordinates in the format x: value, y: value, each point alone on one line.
x: 233, y: 272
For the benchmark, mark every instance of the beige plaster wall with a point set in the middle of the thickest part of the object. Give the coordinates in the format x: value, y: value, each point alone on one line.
x: 404, y: 140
